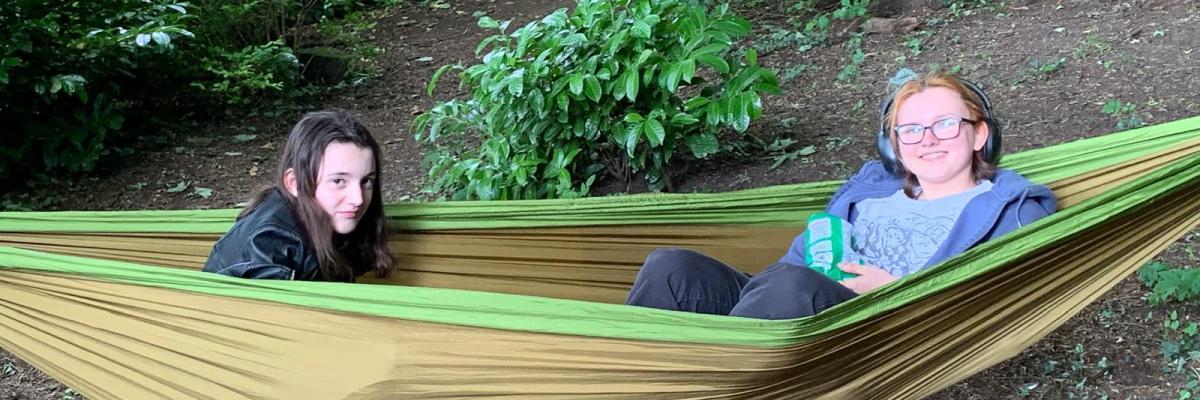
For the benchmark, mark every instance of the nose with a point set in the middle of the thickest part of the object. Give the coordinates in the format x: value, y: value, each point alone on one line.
x: 355, y: 195
x: 928, y: 138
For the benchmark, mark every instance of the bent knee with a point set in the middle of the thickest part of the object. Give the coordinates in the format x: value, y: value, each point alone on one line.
x: 667, y: 261
x: 789, y: 277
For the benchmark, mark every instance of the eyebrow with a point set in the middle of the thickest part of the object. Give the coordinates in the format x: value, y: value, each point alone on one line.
x: 936, y: 118
x: 332, y: 174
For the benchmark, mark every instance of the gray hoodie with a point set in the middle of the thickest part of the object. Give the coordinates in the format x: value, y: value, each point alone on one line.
x: 1012, y: 202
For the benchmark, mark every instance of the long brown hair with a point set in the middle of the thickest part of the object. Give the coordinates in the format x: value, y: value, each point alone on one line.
x: 341, y: 257
x: 981, y: 169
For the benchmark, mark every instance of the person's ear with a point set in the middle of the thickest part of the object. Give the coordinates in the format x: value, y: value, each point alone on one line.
x: 289, y: 181
x: 982, y: 131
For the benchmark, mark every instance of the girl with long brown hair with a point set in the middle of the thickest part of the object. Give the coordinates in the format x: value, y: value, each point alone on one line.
x: 322, y: 219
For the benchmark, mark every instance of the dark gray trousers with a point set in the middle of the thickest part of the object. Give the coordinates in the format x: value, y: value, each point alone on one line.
x: 685, y: 280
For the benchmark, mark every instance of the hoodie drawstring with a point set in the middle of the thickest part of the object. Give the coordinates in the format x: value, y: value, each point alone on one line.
x: 1020, y: 202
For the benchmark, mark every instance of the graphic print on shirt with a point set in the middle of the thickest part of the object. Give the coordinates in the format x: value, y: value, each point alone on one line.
x: 900, y: 244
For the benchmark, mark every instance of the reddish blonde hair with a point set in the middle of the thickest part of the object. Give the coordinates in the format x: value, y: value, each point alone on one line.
x: 980, y: 168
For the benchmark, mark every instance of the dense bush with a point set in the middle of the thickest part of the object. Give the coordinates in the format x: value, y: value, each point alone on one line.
x: 615, y: 86
x: 62, y: 69
x: 69, y: 71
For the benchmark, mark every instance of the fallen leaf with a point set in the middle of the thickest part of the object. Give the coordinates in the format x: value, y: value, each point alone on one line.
x: 179, y: 187
x: 203, y: 192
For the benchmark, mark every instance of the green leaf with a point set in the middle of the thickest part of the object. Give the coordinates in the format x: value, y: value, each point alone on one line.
x: 751, y: 56
x: 115, y: 122
x: 537, y: 103
x: 732, y: 27
x: 713, y: 113
x: 715, y: 62
x: 646, y: 54
x: 591, y: 87
x: 564, y: 103
x: 522, y: 176
x: 485, y: 42
x: 648, y: 73
x: 634, y: 117
x: 243, y: 138
x: 203, y: 192
x: 631, y: 85
x: 564, y: 177
x: 618, y: 88
x: 655, y: 133
x: 436, y: 75
x: 703, y: 144
x: 641, y: 30
x: 755, y: 104
x: 179, y: 187
x: 632, y: 134
x: 161, y: 38
x: 687, y: 70
x: 671, y: 79
x: 1111, y: 106
x: 516, y: 82
x: 487, y: 22
x: 741, y: 113
x: 683, y: 119
x: 576, y: 83
x: 710, y: 49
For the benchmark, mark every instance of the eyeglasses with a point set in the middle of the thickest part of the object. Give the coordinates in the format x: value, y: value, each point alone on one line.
x: 943, y: 129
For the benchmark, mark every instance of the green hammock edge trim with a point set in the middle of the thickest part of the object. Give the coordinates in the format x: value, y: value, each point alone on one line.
x: 782, y: 205
x: 571, y: 317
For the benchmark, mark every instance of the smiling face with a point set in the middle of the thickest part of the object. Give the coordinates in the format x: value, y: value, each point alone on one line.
x: 345, y: 184
x: 940, y: 162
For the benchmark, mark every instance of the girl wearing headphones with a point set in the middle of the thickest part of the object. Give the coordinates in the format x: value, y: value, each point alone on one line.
x: 934, y: 193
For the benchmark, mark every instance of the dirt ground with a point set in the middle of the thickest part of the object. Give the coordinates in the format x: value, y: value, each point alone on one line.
x: 1140, y: 52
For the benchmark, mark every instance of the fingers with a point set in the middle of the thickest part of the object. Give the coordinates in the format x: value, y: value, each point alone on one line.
x: 856, y: 268
x: 855, y: 284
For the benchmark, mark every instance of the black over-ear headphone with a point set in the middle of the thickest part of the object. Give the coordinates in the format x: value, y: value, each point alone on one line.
x: 887, y: 154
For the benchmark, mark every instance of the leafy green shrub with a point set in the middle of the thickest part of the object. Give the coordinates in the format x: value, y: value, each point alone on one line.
x: 69, y: 70
x: 1167, y: 283
x: 244, y: 75
x: 615, y: 86
x: 62, y: 67
x: 1180, y: 344
x: 259, y: 49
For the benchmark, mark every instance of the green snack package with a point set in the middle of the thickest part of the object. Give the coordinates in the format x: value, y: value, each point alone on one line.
x: 828, y: 242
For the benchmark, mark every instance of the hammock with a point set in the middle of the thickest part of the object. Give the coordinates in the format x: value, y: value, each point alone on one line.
x: 516, y: 299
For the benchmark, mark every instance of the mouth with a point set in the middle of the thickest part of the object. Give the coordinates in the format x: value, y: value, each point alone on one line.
x: 348, y: 214
x: 933, y: 155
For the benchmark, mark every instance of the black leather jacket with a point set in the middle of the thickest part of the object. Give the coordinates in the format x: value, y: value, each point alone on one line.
x: 266, y: 244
